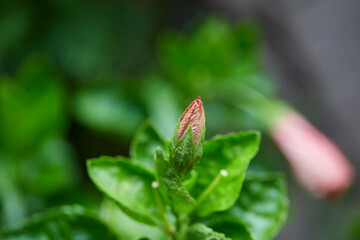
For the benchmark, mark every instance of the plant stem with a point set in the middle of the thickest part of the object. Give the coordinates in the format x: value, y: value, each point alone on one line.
x: 182, y: 225
x: 168, y: 228
x: 210, y: 188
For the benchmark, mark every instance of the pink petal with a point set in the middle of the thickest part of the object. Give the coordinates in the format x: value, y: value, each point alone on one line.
x: 193, y: 116
x: 317, y: 162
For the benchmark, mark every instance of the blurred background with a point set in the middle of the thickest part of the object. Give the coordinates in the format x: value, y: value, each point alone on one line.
x: 78, y: 77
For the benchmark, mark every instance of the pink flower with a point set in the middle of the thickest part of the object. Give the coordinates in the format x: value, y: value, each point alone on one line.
x: 193, y: 116
x: 317, y: 162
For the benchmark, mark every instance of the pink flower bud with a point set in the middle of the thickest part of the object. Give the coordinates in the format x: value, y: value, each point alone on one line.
x: 193, y: 116
x: 317, y: 162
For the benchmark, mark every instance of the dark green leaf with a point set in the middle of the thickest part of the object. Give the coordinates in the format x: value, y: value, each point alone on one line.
x: 263, y: 204
x: 179, y: 198
x: 231, y: 152
x: 199, y: 231
x: 144, y: 144
x: 128, y: 184
x: 232, y: 228
x: 69, y: 222
x: 126, y: 227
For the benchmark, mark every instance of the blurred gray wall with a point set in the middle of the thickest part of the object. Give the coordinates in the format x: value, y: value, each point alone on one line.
x: 313, y: 48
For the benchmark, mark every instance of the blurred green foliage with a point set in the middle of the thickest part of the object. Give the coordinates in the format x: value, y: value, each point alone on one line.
x: 108, y: 110
x: 114, y: 76
x: 214, y: 52
x: 67, y: 222
x: 217, y: 61
x: 120, y: 64
x: 119, y: 67
x: 36, y: 158
x: 85, y: 38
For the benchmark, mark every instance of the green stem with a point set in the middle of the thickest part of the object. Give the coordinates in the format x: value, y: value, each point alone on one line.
x: 210, y: 188
x: 168, y: 228
x: 182, y: 225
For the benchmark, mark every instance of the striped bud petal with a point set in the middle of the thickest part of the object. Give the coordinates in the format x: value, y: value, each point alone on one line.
x: 193, y: 116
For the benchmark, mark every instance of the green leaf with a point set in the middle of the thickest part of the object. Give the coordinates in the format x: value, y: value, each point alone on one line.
x: 231, y: 152
x: 108, y: 110
x: 126, y: 227
x: 68, y: 222
x: 171, y: 185
x: 232, y: 228
x: 199, y: 231
x: 128, y: 184
x: 263, y: 204
x: 144, y: 145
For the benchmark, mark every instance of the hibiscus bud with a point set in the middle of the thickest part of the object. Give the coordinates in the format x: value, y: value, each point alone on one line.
x: 193, y: 117
x: 186, y: 147
x: 317, y: 162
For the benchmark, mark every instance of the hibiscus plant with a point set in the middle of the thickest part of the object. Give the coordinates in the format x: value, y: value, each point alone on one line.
x: 183, y: 188
x: 188, y: 188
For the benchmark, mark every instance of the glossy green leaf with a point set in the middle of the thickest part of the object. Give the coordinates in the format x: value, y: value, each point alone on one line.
x: 144, y: 145
x: 199, y: 231
x: 170, y: 182
x: 68, y: 222
x: 263, y: 204
x: 128, y: 184
x: 232, y: 228
x: 127, y: 228
x: 231, y: 152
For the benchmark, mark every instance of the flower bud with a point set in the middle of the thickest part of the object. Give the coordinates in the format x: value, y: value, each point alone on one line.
x: 186, y: 147
x: 193, y: 116
x: 317, y: 162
